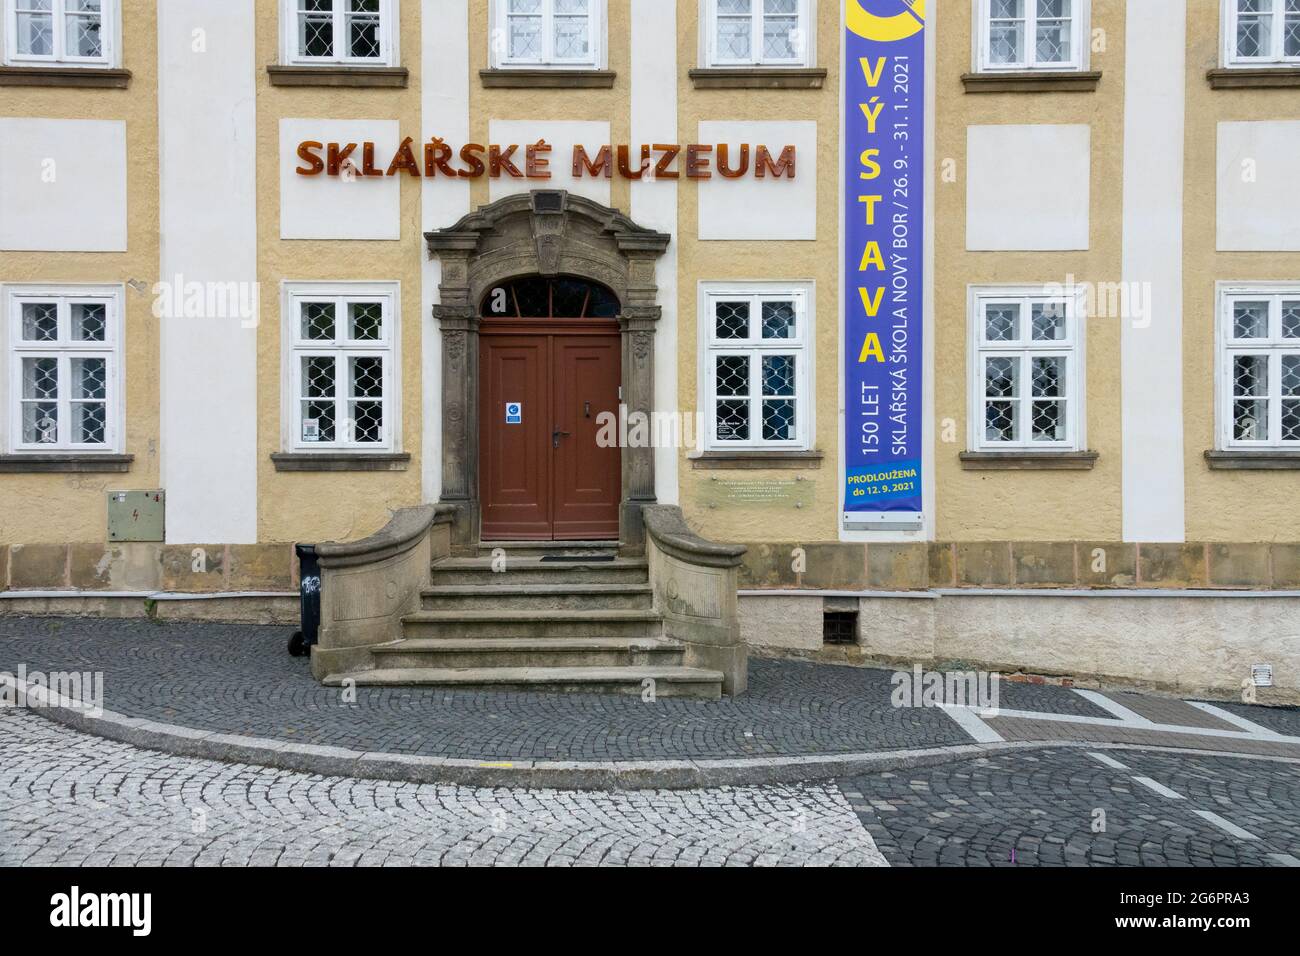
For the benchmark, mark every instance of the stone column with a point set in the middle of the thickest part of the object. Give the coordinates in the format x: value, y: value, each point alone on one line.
x: 638, y: 321
x: 458, y: 317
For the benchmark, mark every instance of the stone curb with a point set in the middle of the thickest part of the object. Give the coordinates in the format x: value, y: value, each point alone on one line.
x: 530, y: 774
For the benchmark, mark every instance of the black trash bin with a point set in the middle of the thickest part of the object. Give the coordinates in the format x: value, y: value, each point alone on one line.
x: 309, y: 596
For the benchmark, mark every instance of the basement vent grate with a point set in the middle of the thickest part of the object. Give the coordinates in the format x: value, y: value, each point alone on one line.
x: 840, y: 627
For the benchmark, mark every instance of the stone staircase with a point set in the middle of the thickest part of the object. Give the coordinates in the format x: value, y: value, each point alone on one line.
x: 558, y: 618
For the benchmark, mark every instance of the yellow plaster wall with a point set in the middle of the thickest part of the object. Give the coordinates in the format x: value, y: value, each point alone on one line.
x: 44, y: 508
x: 613, y: 106
x: 1222, y: 505
x: 1027, y: 505
x: 323, y: 506
x: 715, y: 260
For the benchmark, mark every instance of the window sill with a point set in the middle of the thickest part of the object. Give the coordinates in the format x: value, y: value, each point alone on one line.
x: 1033, y: 81
x: 383, y: 77
x: 758, y: 78
x: 64, y: 464
x: 1259, y: 78
x: 65, y: 76
x: 1264, y: 459
x: 1029, y: 460
x: 547, y: 78
x: 757, y: 460
x: 339, y: 461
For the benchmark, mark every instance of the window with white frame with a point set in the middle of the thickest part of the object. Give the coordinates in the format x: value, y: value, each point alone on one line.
x: 1032, y: 34
x: 1259, y: 367
x: 353, y: 32
x: 64, y: 350
x: 758, y: 32
x: 1262, y: 31
x: 548, y: 32
x: 66, y: 32
x: 343, y: 369
x: 1026, y: 390
x: 755, y: 373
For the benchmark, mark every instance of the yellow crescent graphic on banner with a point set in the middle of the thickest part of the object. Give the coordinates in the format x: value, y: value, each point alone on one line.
x: 869, y: 26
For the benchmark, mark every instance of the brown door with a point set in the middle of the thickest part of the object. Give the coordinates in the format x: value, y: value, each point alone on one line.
x: 543, y: 474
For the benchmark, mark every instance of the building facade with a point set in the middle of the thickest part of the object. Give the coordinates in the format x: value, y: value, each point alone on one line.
x: 274, y: 269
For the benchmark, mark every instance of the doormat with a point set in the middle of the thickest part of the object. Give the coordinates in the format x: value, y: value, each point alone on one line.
x: 584, y: 558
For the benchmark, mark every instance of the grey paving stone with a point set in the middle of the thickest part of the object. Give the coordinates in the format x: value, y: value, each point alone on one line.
x: 67, y: 799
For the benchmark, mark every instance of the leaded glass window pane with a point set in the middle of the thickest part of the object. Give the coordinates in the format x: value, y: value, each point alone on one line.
x: 364, y: 37
x: 89, y: 321
x: 732, y: 319
x: 318, y: 321
x: 1002, y: 389
x: 365, y: 404
x: 1048, y: 321
x: 316, y: 28
x: 40, y: 394
x: 1250, y: 397
x: 1002, y: 322
x: 366, y: 321
x: 1250, y: 320
x: 34, y: 27
x: 1254, y: 28
x: 40, y: 321
x: 1054, y: 31
x: 778, y: 320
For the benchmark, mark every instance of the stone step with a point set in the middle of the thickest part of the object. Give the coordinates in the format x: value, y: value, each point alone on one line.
x: 503, y: 652
x: 668, y: 681
x: 541, y: 548
x: 532, y: 570
x: 538, y: 597
x: 542, y: 624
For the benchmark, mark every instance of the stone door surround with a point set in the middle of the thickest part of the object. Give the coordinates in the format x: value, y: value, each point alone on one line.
x: 542, y: 233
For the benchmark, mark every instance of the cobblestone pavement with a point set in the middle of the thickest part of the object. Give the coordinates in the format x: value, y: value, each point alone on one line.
x: 1047, y: 806
x: 239, y: 679
x: 69, y: 799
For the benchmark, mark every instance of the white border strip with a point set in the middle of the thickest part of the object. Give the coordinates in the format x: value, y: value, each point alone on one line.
x: 1119, y: 710
x: 1228, y: 717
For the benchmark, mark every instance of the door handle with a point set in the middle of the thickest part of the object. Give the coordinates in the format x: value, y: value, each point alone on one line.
x: 556, y: 436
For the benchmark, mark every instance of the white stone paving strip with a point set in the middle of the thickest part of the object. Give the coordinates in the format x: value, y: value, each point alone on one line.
x: 1129, y: 717
x: 1107, y: 761
x: 1159, y: 788
x: 1225, y: 825
x: 1228, y: 717
x: 70, y: 799
x: 969, y: 720
x: 1285, y: 859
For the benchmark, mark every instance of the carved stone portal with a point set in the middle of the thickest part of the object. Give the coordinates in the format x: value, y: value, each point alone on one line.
x: 547, y: 233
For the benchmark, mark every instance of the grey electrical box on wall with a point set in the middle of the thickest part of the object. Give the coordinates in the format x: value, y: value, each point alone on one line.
x: 136, y: 515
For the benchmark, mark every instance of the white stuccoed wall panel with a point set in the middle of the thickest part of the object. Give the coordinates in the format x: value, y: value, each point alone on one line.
x: 336, y: 207
x: 1152, y: 356
x: 207, y: 179
x: 1027, y: 187
x: 1258, y: 202
x: 561, y: 136
x: 752, y: 208
x: 654, y: 204
x: 62, y: 185
x: 445, y: 112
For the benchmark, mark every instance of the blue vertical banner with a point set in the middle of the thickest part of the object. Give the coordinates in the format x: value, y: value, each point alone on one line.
x: 885, y: 156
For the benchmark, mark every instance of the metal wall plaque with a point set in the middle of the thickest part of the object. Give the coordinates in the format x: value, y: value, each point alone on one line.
x: 782, y: 493
x: 136, y: 515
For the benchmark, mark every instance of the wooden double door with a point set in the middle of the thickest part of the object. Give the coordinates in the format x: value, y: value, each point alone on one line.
x: 543, y: 387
